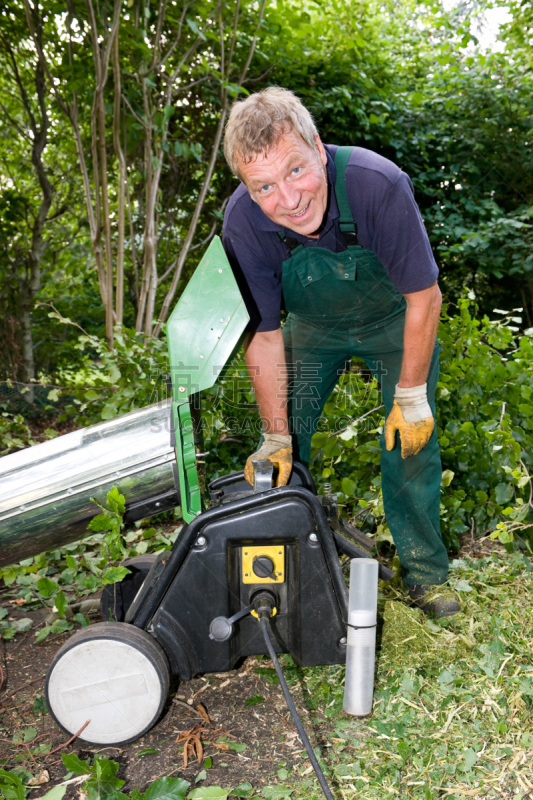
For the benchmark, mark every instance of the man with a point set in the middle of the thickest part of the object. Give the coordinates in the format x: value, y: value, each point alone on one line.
x: 335, y: 234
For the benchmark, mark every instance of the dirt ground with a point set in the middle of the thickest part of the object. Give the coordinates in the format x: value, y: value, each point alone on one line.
x: 264, y: 725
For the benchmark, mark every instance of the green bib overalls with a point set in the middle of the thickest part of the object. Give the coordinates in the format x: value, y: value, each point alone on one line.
x: 342, y: 305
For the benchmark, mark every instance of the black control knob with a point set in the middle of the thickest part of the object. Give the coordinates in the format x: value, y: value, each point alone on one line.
x: 263, y: 567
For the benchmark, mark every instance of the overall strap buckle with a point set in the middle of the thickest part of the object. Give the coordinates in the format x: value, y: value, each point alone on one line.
x: 290, y: 242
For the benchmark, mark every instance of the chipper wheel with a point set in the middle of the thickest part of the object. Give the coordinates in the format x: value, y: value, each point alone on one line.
x: 114, y: 675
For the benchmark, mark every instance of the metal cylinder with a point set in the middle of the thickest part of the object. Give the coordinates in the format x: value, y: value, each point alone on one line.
x: 46, y: 490
x: 361, y: 650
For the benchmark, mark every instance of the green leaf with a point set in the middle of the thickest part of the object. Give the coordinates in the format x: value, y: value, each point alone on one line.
x: 208, y: 793
x: 29, y: 734
x: 55, y: 794
x: 60, y: 626
x: 276, y: 793
x: 22, y: 625
x: 462, y: 586
x: 102, y: 522
x: 254, y: 701
x: 167, y: 789
x: 43, y: 633
x: 208, y: 763
x: 114, y: 574
x: 235, y: 746
x: 116, y: 501
x: 470, y: 759
x: 348, y: 487
x: 282, y: 774
x: 91, y: 583
x: 61, y: 603
x: 39, y: 706
x: 148, y: 751
x: 268, y: 673
x: 447, y: 477
x: 503, y: 493
x: 194, y: 28
x: 75, y: 765
x: 47, y: 587
x: 103, y: 783
x: 169, y: 111
x: 11, y: 786
x: 3, y: 613
x: 242, y: 790
x: 202, y: 775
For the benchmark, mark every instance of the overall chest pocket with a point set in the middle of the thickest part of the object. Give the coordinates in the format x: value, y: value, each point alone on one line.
x: 341, y: 267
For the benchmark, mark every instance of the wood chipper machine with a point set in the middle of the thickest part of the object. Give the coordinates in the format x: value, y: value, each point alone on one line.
x: 257, y: 572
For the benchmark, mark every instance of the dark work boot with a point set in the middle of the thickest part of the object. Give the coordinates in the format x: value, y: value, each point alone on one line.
x: 437, y: 600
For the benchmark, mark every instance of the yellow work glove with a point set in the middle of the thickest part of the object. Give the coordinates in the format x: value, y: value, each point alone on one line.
x: 411, y: 415
x: 275, y: 448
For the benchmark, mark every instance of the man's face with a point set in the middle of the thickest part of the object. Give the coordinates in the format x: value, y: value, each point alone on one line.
x: 289, y: 183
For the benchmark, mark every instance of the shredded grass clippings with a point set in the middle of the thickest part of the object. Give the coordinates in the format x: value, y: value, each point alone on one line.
x: 453, y: 697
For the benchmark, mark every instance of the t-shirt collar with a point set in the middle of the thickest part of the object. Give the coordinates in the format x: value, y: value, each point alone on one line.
x: 262, y: 223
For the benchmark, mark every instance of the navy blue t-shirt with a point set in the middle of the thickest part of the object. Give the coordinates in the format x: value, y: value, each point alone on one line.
x: 388, y: 222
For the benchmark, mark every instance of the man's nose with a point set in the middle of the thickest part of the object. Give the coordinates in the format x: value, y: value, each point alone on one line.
x: 289, y: 196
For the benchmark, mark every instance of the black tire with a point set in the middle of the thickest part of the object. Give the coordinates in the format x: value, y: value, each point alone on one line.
x: 113, y: 674
x: 118, y: 597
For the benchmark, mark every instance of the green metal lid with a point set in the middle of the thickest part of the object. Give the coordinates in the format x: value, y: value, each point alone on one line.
x: 206, y: 324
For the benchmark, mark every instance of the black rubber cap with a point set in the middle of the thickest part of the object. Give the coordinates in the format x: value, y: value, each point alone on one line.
x: 220, y: 629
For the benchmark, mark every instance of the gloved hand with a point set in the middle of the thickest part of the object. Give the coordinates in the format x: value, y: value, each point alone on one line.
x: 411, y: 415
x: 275, y: 448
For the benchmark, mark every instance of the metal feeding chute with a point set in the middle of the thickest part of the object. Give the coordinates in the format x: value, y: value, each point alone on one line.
x: 46, y: 490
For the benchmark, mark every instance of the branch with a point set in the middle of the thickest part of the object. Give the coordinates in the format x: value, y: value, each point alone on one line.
x: 234, y: 37
x: 160, y: 20
x: 252, y: 46
x: 63, y: 104
x: 355, y: 421
x: 176, y: 41
x: 194, y: 222
x: 137, y: 117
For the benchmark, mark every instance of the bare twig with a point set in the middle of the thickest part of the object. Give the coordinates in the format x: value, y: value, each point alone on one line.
x: 62, y: 746
x: 355, y: 421
x: 19, y: 689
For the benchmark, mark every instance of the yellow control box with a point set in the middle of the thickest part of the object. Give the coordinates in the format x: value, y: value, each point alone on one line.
x: 263, y: 564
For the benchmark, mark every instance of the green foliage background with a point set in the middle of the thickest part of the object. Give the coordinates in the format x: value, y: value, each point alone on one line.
x: 407, y: 80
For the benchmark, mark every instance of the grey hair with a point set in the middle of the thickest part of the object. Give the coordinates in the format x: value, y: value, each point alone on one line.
x: 256, y: 125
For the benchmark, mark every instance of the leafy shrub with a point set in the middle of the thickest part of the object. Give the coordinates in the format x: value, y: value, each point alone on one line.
x: 484, y: 418
x: 14, y: 433
x: 130, y: 376
x: 485, y: 428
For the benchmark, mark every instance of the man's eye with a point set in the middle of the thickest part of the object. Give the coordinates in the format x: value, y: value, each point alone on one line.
x: 296, y: 170
x: 265, y: 188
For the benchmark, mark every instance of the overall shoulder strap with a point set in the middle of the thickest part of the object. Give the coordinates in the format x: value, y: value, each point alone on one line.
x: 346, y: 222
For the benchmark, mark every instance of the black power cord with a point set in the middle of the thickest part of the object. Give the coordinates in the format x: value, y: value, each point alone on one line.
x: 265, y: 627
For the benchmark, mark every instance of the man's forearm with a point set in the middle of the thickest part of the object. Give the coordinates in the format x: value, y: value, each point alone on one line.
x: 420, y: 332
x: 265, y: 359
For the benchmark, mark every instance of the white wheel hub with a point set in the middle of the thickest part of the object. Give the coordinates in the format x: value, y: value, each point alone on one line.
x: 108, y: 682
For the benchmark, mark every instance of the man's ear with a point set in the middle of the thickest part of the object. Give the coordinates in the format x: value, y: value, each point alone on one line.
x: 321, y: 150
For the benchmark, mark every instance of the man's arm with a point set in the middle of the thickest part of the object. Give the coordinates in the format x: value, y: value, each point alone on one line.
x: 265, y: 359
x: 420, y: 332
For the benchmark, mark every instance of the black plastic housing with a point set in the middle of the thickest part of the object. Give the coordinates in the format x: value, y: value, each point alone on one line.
x: 202, y: 579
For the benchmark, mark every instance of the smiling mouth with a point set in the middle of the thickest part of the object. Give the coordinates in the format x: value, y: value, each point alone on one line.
x: 302, y: 212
